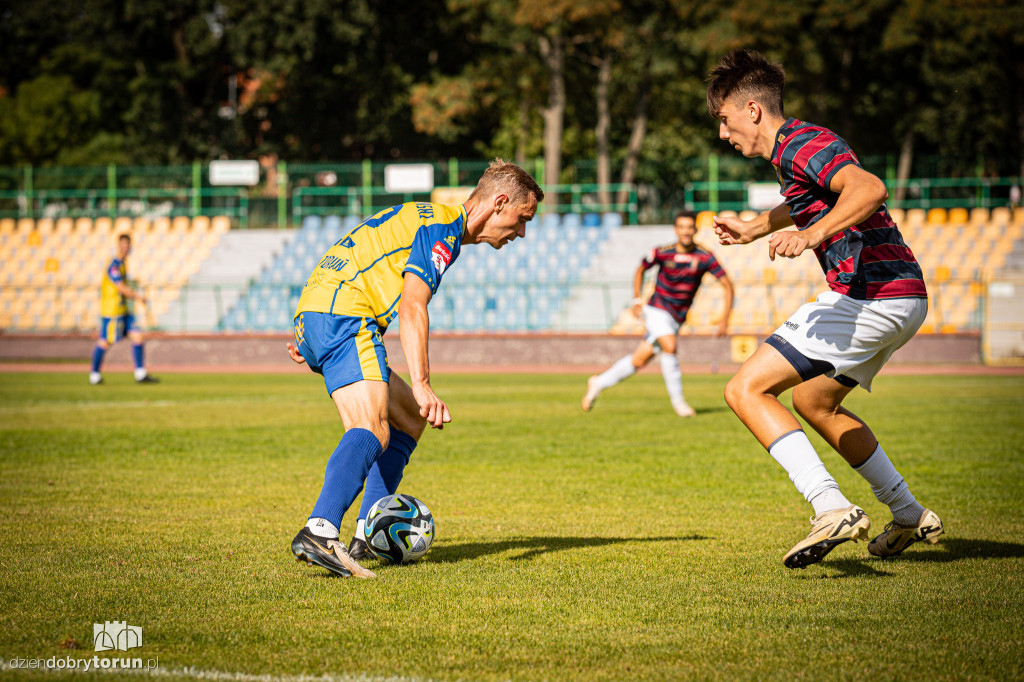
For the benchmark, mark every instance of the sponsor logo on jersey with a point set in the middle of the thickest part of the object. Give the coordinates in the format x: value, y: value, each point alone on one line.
x: 450, y: 240
x: 440, y: 256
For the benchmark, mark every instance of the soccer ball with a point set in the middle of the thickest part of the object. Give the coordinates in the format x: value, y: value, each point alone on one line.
x: 399, y: 529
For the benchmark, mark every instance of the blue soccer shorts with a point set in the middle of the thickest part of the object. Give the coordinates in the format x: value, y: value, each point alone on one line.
x: 344, y: 349
x: 113, y: 329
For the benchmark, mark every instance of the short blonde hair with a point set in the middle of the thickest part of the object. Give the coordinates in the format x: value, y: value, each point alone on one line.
x: 506, y: 177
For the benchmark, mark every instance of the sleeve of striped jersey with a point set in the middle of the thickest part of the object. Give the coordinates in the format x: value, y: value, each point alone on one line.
x: 650, y: 260
x: 114, y: 271
x: 821, y: 157
x: 714, y: 267
x: 433, y: 250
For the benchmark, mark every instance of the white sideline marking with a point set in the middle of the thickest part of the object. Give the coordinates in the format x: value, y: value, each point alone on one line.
x: 224, y: 676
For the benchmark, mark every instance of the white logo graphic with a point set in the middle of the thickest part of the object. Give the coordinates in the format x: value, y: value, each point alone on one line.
x: 116, y: 635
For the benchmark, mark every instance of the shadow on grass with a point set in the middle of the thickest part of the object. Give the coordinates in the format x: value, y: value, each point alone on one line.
x: 712, y: 410
x: 534, y: 546
x: 948, y: 550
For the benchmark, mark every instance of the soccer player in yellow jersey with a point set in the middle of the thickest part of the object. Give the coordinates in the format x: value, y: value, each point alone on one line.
x: 115, y: 320
x: 389, y: 266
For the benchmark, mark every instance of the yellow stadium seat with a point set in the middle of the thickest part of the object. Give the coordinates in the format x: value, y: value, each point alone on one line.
x: 936, y: 215
x: 102, y: 226
x: 180, y: 224
x: 44, y: 226
x: 162, y: 225
x: 915, y: 217
x: 897, y: 215
x: 7, y: 226
x: 1018, y: 216
x: 25, y: 225
x: 1000, y: 215
x: 957, y: 216
x: 83, y: 226
x: 140, y: 226
x: 703, y: 219
x: 123, y: 225
x: 979, y: 215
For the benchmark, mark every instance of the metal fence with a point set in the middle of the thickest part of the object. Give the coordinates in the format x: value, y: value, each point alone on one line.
x: 286, y: 192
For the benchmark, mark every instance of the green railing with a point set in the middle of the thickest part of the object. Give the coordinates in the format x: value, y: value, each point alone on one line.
x: 113, y: 202
x: 290, y: 191
x: 365, y: 201
x: 917, y: 193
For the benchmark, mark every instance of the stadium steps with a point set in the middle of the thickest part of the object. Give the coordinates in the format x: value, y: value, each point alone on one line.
x: 606, y: 286
x: 224, y: 277
x: 523, y: 287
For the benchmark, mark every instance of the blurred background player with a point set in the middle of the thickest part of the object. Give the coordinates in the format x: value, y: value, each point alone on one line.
x: 115, y: 319
x: 388, y: 266
x: 680, y: 269
x: 826, y: 348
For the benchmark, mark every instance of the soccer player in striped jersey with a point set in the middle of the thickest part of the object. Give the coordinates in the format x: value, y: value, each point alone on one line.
x: 680, y: 268
x: 388, y: 267
x: 116, y: 321
x: 876, y: 302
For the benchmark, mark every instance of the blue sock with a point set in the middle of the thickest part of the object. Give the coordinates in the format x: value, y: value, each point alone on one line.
x: 97, y: 357
x: 137, y: 355
x: 386, y: 472
x: 346, y: 471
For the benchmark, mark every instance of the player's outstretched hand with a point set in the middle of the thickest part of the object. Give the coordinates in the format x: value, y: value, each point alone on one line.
x: 295, y: 355
x: 731, y: 230
x: 789, y: 244
x: 432, y: 408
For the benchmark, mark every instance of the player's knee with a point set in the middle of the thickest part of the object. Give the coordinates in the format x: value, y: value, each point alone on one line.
x: 734, y: 392
x: 811, y: 406
x: 383, y: 434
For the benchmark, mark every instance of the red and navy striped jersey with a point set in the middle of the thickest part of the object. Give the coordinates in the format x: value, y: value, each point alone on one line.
x: 865, y: 261
x: 679, y: 276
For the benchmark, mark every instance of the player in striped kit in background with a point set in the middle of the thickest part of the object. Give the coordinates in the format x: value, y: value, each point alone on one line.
x: 825, y: 349
x: 680, y: 269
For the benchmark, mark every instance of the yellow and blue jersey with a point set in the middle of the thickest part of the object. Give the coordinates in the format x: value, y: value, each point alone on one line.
x: 112, y: 303
x: 362, y: 274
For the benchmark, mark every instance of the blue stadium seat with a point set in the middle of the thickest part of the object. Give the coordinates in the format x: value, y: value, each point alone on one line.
x: 332, y: 226
x: 591, y: 219
x: 611, y: 220
x: 311, y: 222
x: 571, y: 220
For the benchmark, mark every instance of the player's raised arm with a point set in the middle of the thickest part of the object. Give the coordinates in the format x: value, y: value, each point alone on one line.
x: 413, y: 329
x: 731, y: 230
x: 638, y: 285
x: 860, y: 195
x: 723, y: 323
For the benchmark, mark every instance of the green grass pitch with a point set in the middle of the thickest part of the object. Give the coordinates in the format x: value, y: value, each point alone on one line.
x: 620, y: 544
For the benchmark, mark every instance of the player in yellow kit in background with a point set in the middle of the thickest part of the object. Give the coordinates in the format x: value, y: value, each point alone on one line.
x: 115, y: 320
x: 389, y: 266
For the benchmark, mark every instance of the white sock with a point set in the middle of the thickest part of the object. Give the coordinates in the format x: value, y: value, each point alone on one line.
x: 622, y: 369
x: 889, y: 488
x: 140, y: 373
x: 322, y: 528
x: 673, y: 378
x: 361, y: 529
x: 797, y: 456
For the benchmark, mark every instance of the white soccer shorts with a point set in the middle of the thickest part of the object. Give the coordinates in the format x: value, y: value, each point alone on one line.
x: 658, y: 323
x: 855, y: 337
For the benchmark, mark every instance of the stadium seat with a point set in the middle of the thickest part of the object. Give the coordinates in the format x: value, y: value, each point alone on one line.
x: 611, y: 220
